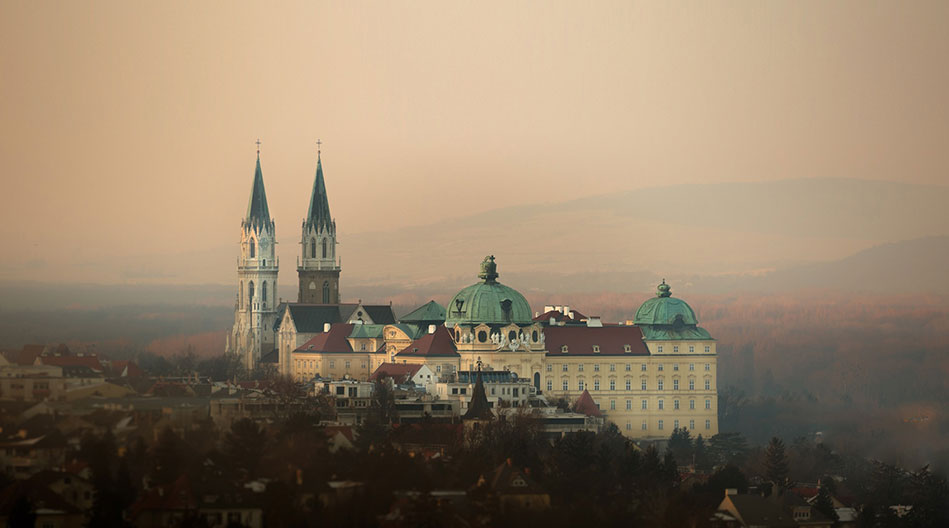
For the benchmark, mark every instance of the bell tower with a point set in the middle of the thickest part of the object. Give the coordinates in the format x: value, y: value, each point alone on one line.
x: 256, y: 307
x: 318, y: 266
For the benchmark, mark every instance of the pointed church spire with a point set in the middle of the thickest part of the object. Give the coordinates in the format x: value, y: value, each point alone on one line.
x: 319, y: 213
x: 257, y: 211
x: 478, y: 408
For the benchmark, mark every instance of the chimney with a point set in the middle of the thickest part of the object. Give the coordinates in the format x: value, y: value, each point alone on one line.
x: 326, y: 327
x: 567, y: 312
x: 548, y: 308
x: 431, y: 329
x: 553, y: 321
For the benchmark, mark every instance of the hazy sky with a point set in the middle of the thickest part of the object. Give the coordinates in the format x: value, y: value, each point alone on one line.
x: 128, y: 128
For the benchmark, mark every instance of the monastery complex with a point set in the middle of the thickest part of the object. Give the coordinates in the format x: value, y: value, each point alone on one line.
x: 648, y: 377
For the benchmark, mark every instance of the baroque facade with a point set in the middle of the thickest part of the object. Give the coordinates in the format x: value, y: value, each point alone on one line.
x: 648, y: 378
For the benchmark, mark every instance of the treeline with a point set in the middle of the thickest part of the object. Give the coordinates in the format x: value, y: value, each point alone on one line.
x: 592, y: 478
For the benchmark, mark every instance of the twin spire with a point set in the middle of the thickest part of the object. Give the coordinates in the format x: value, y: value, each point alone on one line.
x: 318, y: 215
x: 258, y: 213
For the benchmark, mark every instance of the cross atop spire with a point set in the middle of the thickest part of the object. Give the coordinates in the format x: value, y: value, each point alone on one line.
x: 258, y: 147
x: 319, y: 142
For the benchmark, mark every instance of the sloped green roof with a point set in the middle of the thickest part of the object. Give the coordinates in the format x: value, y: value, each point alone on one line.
x: 430, y: 312
x: 668, y: 333
x: 488, y: 302
x: 372, y: 331
x: 257, y: 210
x: 318, y: 214
x: 411, y: 330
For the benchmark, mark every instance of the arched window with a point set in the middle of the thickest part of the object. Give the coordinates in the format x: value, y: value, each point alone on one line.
x: 326, y: 292
x: 263, y: 292
x: 250, y: 292
x: 253, y: 248
x: 312, y: 248
x: 324, y: 248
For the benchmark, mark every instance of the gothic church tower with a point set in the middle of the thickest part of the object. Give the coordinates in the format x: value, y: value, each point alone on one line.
x: 319, y: 269
x: 256, y: 306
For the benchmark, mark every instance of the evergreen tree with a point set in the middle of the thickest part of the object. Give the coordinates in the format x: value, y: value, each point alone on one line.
x: 700, y: 455
x: 728, y: 448
x: 245, y: 445
x: 776, y: 462
x: 825, y: 504
x: 680, y: 445
x: 169, y: 457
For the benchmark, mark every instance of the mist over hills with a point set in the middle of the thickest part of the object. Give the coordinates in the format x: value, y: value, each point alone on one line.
x: 688, y: 229
x: 859, y: 235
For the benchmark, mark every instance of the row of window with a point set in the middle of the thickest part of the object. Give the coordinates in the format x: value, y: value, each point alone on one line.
x: 675, y: 349
x: 596, y: 349
x: 675, y: 405
x: 251, y: 292
x: 675, y: 424
x: 628, y: 367
x: 629, y: 385
x: 627, y: 348
x: 312, y: 364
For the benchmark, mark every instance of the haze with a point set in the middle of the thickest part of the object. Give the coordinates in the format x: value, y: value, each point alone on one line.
x: 128, y: 132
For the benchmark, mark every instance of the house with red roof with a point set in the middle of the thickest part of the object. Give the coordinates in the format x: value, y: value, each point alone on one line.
x: 436, y: 348
x: 331, y: 354
x: 406, y: 373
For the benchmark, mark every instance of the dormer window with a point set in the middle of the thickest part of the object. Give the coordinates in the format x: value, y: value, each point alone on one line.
x: 563, y: 349
x: 627, y: 349
x: 596, y: 349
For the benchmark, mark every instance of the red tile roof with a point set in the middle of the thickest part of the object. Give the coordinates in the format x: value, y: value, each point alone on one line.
x: 558, y: 316
x: 332, y: 341
x: 122, y: 368
x: 28, y: 355
x: 345, y: 430
x: 399, y: 372
x: 173, y: 497
x: 73, y: 361
x: 439, y: 343
x: 586, y: 405
x: 580, y: 340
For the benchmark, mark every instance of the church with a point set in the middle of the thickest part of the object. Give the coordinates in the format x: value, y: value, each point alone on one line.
x: 267, y: 330
x: 649, y: 376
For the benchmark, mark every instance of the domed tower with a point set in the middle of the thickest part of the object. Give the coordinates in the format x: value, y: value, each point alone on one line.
x: 492, y: 324
x: 257, y: 268
x: 682, y: 365
x: 318, y: 268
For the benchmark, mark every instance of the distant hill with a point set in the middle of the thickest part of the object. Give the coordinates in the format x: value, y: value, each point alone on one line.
x: 771, y: 235
x: 920, y: 265
x: 678, y: 230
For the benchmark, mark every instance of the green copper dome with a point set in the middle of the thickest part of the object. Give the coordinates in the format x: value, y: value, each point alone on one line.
x: 488, y: 302
x: 663, y: 309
